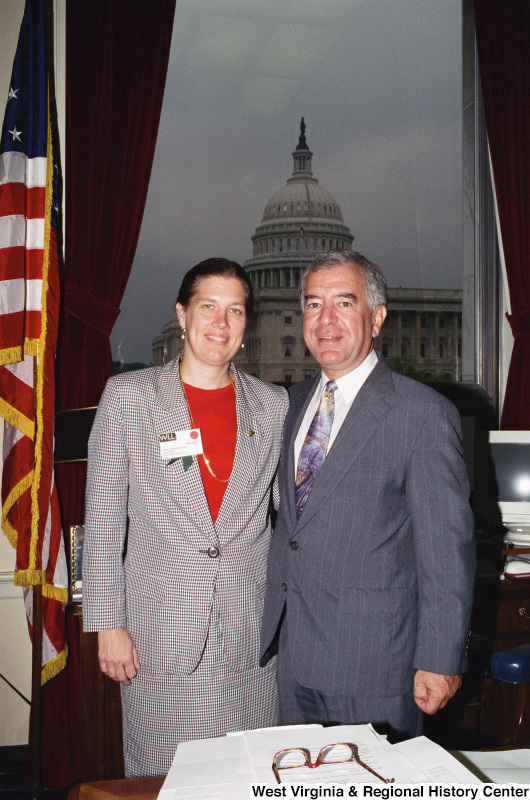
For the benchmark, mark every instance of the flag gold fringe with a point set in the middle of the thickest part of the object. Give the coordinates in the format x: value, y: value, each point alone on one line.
x: 53, y: 667
x: 10, y: 532
x: 14, y: 495
x: 12, y: 355
x: 31, y: 347
x: 55, y: 592
x: 39, y: 388
x: 17, y: 419
x: 29, y: 577
x: 33, y: 577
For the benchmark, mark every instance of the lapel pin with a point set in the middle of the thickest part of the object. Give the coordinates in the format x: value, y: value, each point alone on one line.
x: 251, y: 433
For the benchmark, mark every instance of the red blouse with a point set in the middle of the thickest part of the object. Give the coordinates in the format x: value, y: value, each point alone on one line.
x: 214, y: 412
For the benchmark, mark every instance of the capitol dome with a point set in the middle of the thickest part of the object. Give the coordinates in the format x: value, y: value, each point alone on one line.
x: 302, y: 199
x: 299, y: 221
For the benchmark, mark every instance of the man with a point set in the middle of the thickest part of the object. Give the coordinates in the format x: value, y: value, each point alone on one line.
x: 371, y: 566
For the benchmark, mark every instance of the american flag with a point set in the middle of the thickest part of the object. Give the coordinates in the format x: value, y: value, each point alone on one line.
x: 29, y: 310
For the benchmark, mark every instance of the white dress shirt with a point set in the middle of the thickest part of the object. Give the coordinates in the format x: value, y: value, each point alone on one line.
x: 347, y: 389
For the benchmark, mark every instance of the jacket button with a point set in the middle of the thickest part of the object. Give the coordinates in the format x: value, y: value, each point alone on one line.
x: 284, y: 587
x: 293, y: 545
x: 213, y: 552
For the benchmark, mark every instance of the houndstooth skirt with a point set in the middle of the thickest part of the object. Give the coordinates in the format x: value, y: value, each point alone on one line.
x: 161, y: 709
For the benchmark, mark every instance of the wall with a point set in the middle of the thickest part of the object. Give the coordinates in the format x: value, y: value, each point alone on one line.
x: 15, y: 654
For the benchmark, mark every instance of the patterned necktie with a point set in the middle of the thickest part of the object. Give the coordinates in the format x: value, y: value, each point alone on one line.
x: 315, y: 447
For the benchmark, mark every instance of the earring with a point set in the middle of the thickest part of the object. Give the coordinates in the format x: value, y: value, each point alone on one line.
x: 183, y: 334
x: 242, y: 345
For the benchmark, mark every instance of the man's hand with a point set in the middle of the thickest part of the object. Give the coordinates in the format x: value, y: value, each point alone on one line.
x: 117, y: 655
x: 432, y: 692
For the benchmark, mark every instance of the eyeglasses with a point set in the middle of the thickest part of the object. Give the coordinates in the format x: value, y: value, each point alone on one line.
x: 339, y: 753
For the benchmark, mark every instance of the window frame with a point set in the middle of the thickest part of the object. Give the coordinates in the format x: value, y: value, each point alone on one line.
x: 481, y: 314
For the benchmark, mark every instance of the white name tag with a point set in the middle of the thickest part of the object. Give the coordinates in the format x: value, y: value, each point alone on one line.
x: 180, y: 443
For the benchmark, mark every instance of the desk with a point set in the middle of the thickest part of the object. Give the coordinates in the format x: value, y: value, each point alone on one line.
x: 125, y: 789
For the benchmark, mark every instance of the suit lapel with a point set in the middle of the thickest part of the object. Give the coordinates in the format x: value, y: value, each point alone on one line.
x: 172, y: 414
x: 362, y: 421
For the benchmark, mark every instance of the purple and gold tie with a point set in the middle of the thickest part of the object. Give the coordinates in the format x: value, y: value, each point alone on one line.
x: 315, y: 447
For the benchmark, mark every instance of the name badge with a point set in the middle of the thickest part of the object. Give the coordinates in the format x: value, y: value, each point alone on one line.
x: 180, y: 443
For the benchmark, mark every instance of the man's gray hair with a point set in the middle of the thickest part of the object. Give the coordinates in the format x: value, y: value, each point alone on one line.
x: 376, y: 289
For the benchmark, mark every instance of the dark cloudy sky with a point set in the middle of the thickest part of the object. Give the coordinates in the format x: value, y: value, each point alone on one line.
x: 379, y: 85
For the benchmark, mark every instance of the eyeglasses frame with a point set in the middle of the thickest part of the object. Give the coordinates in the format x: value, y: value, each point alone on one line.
x: 319, y: 760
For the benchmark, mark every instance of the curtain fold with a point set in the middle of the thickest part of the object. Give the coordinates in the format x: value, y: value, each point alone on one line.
x: 116, y: 63
x: 503, y: 31
x: 89, y: 309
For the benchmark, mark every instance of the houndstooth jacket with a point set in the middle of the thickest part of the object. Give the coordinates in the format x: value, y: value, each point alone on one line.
x: 164, y: 588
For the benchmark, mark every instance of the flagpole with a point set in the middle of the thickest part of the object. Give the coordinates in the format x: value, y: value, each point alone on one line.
x: 35, y: 790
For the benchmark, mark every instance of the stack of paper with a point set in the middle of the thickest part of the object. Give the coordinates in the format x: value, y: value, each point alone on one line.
x: 225, y: 767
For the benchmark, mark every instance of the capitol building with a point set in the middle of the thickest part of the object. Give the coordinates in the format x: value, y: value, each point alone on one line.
x: 423, y: 328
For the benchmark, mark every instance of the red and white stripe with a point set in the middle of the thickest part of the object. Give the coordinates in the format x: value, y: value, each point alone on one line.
x: 22, y: 211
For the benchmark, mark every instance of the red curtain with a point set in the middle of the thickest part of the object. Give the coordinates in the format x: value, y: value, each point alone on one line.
x: 116, y: 62
x: 503, y: 33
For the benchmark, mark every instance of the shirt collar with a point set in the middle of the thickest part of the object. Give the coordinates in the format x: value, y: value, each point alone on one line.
x: 348, y: 385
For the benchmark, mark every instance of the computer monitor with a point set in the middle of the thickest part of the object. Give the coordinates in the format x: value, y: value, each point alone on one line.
x: 509, y: 483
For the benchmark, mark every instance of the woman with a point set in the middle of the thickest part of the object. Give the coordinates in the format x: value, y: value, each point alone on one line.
x: 179, y: 616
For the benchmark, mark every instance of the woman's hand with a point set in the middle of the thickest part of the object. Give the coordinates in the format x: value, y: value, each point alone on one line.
x: 117, y: 655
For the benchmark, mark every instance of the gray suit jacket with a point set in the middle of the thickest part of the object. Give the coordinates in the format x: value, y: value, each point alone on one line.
x: 376, y: 576
x: 163, y: 592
